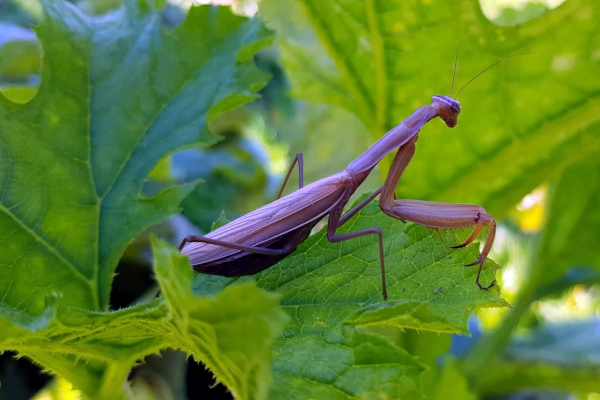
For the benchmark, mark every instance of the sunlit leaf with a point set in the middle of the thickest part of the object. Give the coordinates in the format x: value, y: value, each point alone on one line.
x: 118, y: 94
x: 521, y: 122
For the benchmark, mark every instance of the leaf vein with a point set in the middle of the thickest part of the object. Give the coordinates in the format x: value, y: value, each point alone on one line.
x: 44, y: 243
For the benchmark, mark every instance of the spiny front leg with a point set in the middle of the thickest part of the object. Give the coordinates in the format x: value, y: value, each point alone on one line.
x: 447, y: 216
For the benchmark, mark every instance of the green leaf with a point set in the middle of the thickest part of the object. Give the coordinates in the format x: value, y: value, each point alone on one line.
x: 521, y: 122
x: 426, y: 347
x: 232, y: 333
x: 422, y: 315
x: 559, y: 356
x: 343, y: 364
x: 245, y: 322
x: 326, y: 284
x: 118, y: 94
x: 220, y: 222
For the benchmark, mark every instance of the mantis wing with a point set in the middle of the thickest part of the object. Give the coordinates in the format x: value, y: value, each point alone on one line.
x: 272, y: 220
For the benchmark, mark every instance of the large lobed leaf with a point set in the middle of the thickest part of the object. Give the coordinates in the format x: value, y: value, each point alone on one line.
x: 232, y: 333
x: 118, y: 94
x: 521, y: 122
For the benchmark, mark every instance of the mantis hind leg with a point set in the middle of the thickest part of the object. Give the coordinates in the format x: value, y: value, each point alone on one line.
x: 230, y: 245
x: 448, y: 215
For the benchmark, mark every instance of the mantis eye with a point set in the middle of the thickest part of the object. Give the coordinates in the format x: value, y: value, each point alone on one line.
x: 454, y: 109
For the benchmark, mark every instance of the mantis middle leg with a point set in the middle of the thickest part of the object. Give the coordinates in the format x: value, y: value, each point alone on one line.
x: 335, y: 222
x: 436, y: 215
x: 300, y: 160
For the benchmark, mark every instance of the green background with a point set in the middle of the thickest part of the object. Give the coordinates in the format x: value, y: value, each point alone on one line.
x: 124, y: 127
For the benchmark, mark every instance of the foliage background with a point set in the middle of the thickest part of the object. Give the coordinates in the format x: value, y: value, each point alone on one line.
x: 526, y: 148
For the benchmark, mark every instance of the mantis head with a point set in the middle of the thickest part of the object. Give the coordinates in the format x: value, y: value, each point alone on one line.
x: 447, y: 109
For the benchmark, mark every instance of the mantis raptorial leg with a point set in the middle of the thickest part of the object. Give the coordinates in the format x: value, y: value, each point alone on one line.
x: 436, y: 215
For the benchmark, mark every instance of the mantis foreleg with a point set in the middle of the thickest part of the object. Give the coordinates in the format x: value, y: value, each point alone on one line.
x: 432, y: 214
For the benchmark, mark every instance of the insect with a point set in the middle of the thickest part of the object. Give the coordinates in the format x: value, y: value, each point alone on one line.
x: 260, y: 239
x: 437, y: 290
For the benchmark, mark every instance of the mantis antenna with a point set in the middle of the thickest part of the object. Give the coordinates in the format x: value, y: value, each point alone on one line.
x: 454, y: 74
x: 494, y: 64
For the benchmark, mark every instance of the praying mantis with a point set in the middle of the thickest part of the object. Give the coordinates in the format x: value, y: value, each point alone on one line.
x: 258, y: 240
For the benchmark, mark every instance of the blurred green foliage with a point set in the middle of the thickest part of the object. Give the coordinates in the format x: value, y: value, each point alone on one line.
x: 20, y: 62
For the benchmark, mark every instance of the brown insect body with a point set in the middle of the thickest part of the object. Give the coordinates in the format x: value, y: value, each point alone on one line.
x: 263, y: 237
x: 267, y: 224
x: 304, y: 210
